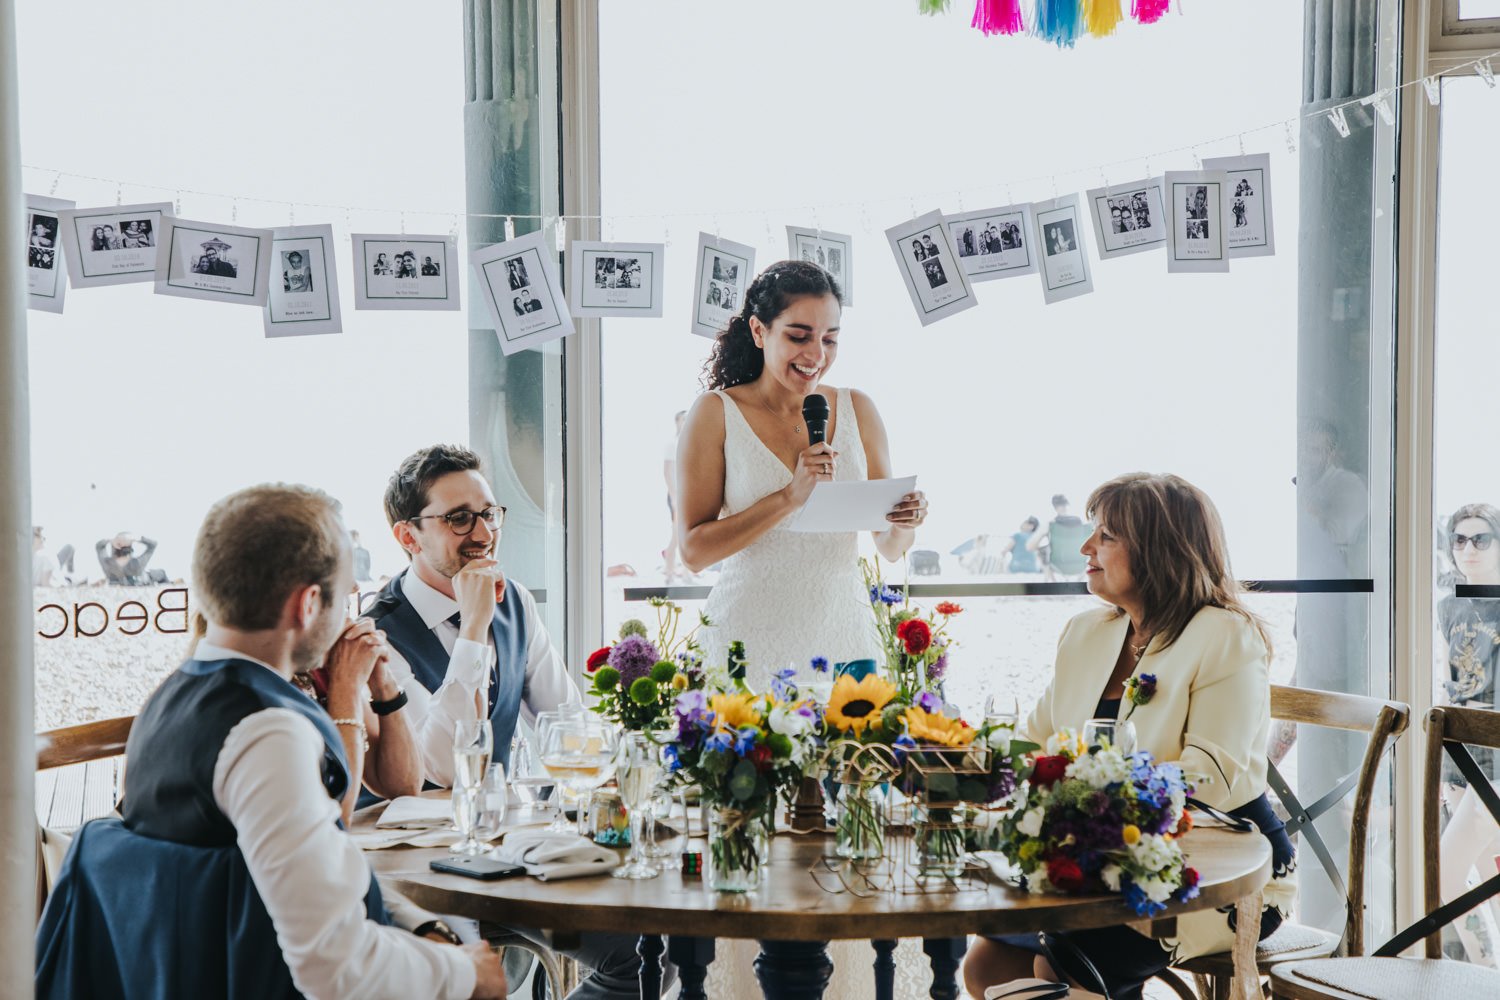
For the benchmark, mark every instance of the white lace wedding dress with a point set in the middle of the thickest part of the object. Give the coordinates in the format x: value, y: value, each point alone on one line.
x: 790, y: 597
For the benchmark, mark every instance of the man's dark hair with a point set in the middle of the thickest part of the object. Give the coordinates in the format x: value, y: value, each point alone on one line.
x: 406, y: 493
x: 1058, y: 500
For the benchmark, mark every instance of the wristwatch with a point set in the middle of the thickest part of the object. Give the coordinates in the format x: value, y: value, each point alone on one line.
x: 439, y: 928
x: 390, y: 705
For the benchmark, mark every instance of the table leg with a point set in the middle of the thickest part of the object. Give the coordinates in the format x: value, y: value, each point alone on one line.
x: 691, y: 956
x: 945, y: 956
x: 793, y: 970
x: 1246, y: 984
x: 885, y: 969
x: 650, y: 949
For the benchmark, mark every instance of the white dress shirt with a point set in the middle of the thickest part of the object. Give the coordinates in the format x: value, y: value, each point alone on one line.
x: 432, y: 715
x: 311, y: 877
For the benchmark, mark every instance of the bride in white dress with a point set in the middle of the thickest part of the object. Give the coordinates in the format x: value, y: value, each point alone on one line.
x: 744, y: 465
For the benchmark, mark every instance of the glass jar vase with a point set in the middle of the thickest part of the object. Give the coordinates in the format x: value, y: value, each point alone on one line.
x: 939, y: 841
x: 860, y: 826
x: 738, y: 850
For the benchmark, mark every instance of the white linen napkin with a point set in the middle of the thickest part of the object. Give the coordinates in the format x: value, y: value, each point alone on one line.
x: 415, y: 812
x: 553, y: 856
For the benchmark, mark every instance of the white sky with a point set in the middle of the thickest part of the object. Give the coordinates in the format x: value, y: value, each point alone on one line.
x: 146, y: 408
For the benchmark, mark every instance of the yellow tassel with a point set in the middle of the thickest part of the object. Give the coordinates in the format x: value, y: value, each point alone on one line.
x: 1102, y: 16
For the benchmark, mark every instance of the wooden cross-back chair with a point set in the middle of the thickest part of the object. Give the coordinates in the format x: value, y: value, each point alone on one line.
x: 61, y: 748
x: 1383, y: 974
x: 1383, y: 722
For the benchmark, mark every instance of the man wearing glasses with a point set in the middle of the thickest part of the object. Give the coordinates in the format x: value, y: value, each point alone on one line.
x: 472, y: 639
x: 467, y: 640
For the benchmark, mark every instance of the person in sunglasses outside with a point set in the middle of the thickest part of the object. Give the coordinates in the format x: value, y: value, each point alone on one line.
x: 1470, y: 629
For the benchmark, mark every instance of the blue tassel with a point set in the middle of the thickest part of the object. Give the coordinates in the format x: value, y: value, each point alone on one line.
x: 1059, y: 21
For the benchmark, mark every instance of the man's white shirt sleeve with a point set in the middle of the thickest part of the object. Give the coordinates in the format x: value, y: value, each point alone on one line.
x: 432, y: 715
x: 312, y: 877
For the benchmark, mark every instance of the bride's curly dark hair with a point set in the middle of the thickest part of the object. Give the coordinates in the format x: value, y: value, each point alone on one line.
x: 735, y: 359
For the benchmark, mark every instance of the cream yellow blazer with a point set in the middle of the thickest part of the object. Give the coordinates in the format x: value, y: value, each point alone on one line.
x: 1211, y: 714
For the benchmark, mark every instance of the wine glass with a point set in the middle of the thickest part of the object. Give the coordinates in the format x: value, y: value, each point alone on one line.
x: 579, y: 753
x: 1118, y: 734
x: 638, y: 771
x: 531, y: 779
x: 473, y: 743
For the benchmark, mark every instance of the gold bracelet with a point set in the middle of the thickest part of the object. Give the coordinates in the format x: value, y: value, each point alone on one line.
x: 364, y: 734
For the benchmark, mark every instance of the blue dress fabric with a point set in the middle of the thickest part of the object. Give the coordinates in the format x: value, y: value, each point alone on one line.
x: 158, y: 903
x: 1125, y: 958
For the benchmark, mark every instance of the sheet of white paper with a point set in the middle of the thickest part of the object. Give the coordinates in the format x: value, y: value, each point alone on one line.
x: 833, y: 252
x: 46, y: 278
x: 929, y: 264
x: 1198, y: 203
x: 854, y: 506
x: 1252, y: 232
x: 518, y: 279
x: 218, y: 263
x: 1064, y: 263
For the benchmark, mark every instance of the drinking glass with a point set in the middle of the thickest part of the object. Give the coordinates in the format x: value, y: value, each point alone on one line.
x: 531, y: 780
x: 473, y: 743
x: 638, y: 772
x: 494, y: 798
x: 1118, y: 734
x: 997, y: 714
x: 579, y: 752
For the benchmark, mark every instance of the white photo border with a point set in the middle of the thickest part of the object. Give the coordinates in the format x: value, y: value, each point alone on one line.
x: 535, y: 248
x: 978, y: 271
x: 1263, y: 245
x: 144, y: 270
x: 48, y: 301
x: 1217, y: 261
x: 447, y: 302
x: 333, y: 321
x: 260, y: 271
x: 843, y: 241
x: 580, y: 252
x: 1098, y: 199
x: 1045, y: 213
x: 744, y: 255
x: 925, y: 225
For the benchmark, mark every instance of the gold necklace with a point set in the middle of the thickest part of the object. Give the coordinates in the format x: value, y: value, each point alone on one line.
x: 778, y: 417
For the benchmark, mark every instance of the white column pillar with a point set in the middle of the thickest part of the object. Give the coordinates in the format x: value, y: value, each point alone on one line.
x: 17, y: 747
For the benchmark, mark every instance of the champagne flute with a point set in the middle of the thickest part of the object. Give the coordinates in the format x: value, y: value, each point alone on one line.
x: 578, y: 752
x: 473, y: 744
x: 638, y: 770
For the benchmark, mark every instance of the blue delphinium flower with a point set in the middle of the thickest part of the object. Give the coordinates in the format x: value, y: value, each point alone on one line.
x: 1138, y: 901
x: 904, y: 744
x: 820, y: 664
x: 882, y: 594
x: 782, y: 685
x: 745, y: 740
x: 670, y: 758
x: 719, y: 741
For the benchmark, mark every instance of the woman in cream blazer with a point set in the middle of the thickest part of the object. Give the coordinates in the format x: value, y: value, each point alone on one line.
x: 1158, y: 557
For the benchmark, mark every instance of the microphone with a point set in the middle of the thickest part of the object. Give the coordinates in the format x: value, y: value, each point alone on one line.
x: 815, y: 416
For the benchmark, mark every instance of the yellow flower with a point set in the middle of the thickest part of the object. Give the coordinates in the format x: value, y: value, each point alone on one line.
x: 733, y: 711
x: 853, y: 705
x: 679, y: 682
x: 1030, y: 849
x: 1131, y: 833
x: 935, y: 727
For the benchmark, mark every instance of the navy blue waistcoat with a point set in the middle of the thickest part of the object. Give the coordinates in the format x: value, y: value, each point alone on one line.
x: 159, y: 904
x: 422, y: 649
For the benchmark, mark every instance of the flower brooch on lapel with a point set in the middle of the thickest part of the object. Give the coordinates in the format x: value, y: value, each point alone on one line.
x: 1139, y: 690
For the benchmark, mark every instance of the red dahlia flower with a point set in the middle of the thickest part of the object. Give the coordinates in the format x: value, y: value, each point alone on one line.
x: 597, y: 659
x: 1063, y: 872
x: 916, y: 634
x: 948, y: 608
x: 1049, y: 770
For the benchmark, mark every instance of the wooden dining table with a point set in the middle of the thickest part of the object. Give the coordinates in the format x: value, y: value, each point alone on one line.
x: 803, y: 903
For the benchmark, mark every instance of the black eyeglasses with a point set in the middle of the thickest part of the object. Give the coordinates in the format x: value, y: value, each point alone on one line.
x: 461, y: 522
x: 1482, y: 540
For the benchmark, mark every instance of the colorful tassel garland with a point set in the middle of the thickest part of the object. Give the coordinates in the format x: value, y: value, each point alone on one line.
x: 931, y: 7
x: 1102, y: 16
x: 998, y: 17
x: 1058, y: 21
x: 1149, y: 11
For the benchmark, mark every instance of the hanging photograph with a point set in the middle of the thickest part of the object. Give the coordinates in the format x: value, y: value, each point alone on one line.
x: 1064, y: 265
x: 1199, y: 208
x: 833, y: 252
x: 993, y: 242
x: 1251, y: 229
x: 405, y: 272
x: 204, y: 260
x: 112, y: 246
x: 725, y: 269
x: 1128, y: 218
x: 934, y: 279
x: 615, y: 279
x: 518, y: 279
x: 46, y: 284
x: 304, y: 293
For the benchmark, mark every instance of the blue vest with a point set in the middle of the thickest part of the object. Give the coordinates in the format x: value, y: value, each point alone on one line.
x: 160, y: 904
x: 405, y: 630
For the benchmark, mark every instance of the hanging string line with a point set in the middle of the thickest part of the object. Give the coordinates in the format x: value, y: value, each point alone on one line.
x: 968, y: 194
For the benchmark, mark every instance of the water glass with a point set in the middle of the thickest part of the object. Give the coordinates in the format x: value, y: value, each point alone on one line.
x: 1118, y: 734
x: 579, y: 753
x: 638, y: 772
x: 494, y: 800
x: 996, y: 713
x: 473, y: 743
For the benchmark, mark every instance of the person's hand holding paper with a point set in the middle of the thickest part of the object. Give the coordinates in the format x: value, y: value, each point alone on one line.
x: 859, y: 505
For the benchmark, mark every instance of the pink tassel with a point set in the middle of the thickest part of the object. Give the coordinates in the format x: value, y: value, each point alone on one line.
x: 1149, y: 11
x: 998, y: 17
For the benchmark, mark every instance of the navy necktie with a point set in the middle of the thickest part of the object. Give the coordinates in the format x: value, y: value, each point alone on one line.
x: 456, y: 619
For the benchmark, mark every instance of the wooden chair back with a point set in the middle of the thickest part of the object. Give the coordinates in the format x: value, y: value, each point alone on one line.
x: 1383, y: 721
x: 1445, y: 726
x: 73, y: 745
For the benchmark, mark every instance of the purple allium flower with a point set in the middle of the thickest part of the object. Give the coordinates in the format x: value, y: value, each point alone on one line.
x: 820, y: 664
x: 939, y: 666
x: 633, y: 656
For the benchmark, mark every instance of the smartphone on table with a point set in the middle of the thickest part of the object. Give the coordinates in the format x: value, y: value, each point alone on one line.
x: 476, y: 866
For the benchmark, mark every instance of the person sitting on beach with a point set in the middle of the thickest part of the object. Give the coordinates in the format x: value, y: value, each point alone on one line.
x: 123, y: 565
x: 1022, y: 556
x: 227, y: 872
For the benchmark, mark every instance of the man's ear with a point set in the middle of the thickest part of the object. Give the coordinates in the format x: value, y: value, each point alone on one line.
x: 304, y: 604
x: 406, y: 537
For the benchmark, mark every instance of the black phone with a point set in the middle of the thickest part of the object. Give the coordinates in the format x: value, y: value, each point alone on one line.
x: 476, y: 866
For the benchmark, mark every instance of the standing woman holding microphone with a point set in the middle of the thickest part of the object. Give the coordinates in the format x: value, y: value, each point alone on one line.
x: 745, y: 465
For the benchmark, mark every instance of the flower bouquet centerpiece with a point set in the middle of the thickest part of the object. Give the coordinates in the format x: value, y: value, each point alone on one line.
x: 1095, y: 820
x: 915, y: 645
x: 635, y: 678
x: 744, y: 751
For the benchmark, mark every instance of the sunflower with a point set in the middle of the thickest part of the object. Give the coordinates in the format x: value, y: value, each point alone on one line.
x: 936, y: 728
x: 733, y: 711
x: 853, y: 705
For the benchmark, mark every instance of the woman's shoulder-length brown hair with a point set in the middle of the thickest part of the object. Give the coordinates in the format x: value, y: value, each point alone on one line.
x: 1178, y: 555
